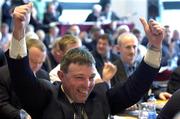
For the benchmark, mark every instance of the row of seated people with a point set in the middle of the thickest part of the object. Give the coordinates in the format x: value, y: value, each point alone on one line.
x: 52, y: 32
x: 43, y: 12
x: 170, y: 45
x: 47, y: 12
x: 103, y: 48
x: 65, y: 44
x: 37, y: 54
x: 41, y: 99
x: 10, y: 106
x: 55, y: 63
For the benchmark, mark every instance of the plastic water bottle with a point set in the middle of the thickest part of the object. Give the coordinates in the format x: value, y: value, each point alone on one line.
x: 152, y: 107
x: 143, y: 114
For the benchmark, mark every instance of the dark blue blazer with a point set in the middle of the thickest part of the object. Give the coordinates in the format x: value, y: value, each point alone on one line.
x: 10, y: 104
x: 171, y: 108
x: 100, y: 61
x: 49, y: 100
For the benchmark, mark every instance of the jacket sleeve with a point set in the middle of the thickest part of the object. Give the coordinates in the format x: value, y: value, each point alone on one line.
x: 33, y: 94
x: 171, y: 108
x: 123, y: 96
x: 7, y: 110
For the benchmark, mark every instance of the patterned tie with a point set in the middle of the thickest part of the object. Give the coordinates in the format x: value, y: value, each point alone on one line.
x: 131, y: 69
x: 78, y: 107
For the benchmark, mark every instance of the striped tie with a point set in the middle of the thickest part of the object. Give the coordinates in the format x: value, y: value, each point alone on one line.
x: 78, y: 107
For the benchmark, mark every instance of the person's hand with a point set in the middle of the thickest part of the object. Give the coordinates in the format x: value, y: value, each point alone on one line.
x: 29, y: 117
x: 154, y: 32
x: 108, y: 72
x: 21, y: 18
x: 164, y: 95
x: 132, y: 108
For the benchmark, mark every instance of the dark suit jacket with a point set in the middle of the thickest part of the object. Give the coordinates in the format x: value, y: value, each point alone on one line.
x: 113, y: 16
x: 2, y: 58
x: 171, y: 108
x: 48, y: 99
x: 6, y: 16
x: 121, y: 75
x: 9, y: 102
x: 47, y: 41
x: 50, y: 63
x: 174, y: 81
x: 91, y: 17
x: 100, y: 61
x: 49, y: 17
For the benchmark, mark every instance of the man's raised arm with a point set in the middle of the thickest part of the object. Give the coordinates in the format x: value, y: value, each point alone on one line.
x: 21, y: 18
x: 155, y: 34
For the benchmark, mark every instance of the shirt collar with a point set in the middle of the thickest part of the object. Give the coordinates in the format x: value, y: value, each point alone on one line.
x: 69, y: 99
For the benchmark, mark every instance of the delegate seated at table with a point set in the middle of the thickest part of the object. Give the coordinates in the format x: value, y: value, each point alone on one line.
x: 10, y: 105
x: 127, y: 63
x: 54, y: 101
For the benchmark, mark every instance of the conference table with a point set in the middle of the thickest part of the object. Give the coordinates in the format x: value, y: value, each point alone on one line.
x: 134, y: 113
x: 86, y: 26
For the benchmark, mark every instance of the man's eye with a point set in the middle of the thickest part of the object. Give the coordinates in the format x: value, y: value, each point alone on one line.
x: 91, y: 79
x: 79, y: 78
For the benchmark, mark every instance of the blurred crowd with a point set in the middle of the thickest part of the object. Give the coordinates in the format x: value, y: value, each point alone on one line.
x: 101, y: 41
x: 120, y: 45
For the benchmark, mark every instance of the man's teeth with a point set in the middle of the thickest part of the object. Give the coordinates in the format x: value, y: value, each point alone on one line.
x: 83, y: 91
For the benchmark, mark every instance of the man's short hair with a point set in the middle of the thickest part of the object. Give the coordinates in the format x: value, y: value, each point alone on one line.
x: 124, y: 36
x: 62, y: 43
x: 106, y: 37
x: 36, y: 43
x: 79, y: 56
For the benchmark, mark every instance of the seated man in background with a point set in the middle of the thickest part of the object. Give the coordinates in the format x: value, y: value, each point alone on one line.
x: 57, y: 101
x: 50, y: 37
x: 95, y: 14
x: 127, y: 63
x: 53, y: 56
x: 107, y: 15
x: 63, y: 45
x: 10, y: 105
x: 141, y: 49
x: 103, y: 52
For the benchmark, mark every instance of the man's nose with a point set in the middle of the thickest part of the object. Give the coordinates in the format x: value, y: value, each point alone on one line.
x: 87, y: 83
x: 132, y: 49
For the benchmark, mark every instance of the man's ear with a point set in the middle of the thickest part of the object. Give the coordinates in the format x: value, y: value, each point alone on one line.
x: 60, y: 75
x: 118, y: 48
